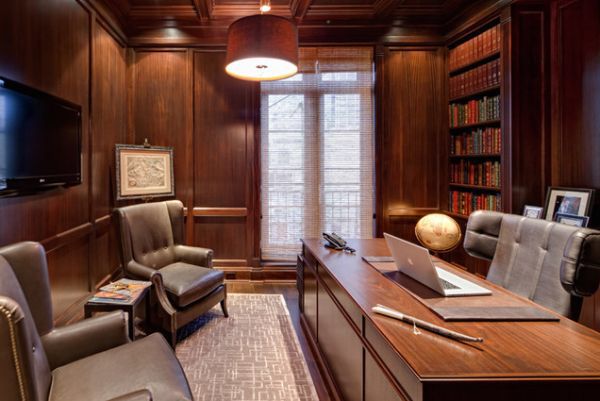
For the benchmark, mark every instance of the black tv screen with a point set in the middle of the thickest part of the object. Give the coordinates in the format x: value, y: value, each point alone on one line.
x: 40, y: 138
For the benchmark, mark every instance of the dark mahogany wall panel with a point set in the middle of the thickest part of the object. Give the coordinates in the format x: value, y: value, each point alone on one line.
x: 222, y: 126
x: 50, y: 45
x: 411, y: 127
x: 161, y: 99
x: 109, y: 123
x: 576, y: 106
x: 526, y: 104
x: 184, y: 99
x: 46, y: 45
x: 223, y: 160
x: 110, y: 118
x: 576, y: 91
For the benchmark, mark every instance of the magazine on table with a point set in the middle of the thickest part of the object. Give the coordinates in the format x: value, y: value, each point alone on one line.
x: 121, y: 291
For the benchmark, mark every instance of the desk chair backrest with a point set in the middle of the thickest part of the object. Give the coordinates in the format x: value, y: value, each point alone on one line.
x: 150, y: 231
x: 550, y: 263
x: 25, y: 315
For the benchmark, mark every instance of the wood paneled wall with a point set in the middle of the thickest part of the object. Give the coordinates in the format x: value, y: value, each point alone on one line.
x: 411, y: 141
x: 575, y: 47
x: 60, y: 46
x: 551, y: 104
x: 183, y: 98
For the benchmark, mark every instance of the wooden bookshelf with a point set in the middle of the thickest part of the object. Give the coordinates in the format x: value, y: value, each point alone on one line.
x: 476, y: 156
x: 486, y: 123
x: 478, y: 187
x: 474, y: 112
x: 476, y: 93
x: 476, y: 62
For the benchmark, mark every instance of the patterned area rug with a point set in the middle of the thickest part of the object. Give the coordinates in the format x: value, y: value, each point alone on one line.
x: 252, y: 355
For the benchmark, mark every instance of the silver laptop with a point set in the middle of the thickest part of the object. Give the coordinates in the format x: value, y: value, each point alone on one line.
x: 415, y: 261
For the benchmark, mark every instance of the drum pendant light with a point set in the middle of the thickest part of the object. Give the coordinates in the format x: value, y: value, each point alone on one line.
x: 262, y: 48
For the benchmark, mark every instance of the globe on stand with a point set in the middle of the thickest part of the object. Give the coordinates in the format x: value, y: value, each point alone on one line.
x: 438, y: 232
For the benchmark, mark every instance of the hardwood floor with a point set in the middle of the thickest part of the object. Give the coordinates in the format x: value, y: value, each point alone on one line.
x: 290, y: 294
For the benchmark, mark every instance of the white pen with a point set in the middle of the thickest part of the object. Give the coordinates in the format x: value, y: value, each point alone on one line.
x: 384, y: 310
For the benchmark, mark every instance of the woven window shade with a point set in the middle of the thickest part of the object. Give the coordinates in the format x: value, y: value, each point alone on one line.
x: 317, y: 155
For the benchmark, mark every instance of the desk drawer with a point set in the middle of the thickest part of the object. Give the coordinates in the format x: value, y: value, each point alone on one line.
x: 397, y: 367
x: 342, y: 297
x: 341, y: 346
x: 377, y: 385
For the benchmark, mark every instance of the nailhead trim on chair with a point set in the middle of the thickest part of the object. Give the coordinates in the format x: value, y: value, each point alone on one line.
x: 13, y: 343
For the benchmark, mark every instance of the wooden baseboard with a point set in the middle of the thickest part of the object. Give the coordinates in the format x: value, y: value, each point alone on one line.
x: 278, y: 274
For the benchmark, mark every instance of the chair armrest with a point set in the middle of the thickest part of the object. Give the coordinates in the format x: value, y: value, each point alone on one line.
x: 87, y: 337
x: 194, y: 255
x: 140, y: 395
x: 161, y: 295
x: 139, y: 270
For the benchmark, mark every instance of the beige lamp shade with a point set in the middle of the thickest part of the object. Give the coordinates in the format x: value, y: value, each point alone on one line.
x: 262, y: 48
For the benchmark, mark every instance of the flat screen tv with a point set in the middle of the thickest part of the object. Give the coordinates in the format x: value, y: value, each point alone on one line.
x: 40, y: 139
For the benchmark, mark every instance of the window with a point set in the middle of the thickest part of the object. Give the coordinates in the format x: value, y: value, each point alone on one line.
x: 317, y: 151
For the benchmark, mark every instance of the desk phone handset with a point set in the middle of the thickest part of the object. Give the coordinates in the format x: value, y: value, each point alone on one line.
x: 334, y: 241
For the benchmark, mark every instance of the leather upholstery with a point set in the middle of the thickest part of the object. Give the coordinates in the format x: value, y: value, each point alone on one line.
x: 86, y: 350
x: 187, y: 283
x: 23, y: 363
x: 153, y: 248
x: 79, y: 340
x: 146, y: 364
x: 140, y: 395
x: 580, y: 268
x: 552, y: 264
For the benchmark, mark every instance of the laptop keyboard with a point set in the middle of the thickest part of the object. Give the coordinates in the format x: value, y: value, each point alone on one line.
x: 448, y: 285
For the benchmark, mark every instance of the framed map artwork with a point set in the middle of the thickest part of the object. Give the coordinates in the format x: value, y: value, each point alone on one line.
x: 144, y: 171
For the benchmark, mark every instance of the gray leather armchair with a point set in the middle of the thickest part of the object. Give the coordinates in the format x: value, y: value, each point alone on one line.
x: 152, y: 245
x: 552, y: 264
x: 91, y: 360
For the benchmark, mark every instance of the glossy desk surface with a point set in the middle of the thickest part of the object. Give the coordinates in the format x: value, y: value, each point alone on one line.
x: 516, y: 350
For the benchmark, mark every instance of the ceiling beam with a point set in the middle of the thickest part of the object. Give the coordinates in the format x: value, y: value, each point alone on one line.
x: 204, y: 8
x: 298, y: 8
x: 384, y: 8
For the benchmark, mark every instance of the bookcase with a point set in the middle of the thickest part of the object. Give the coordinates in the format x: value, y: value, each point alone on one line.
x: 474, y: 121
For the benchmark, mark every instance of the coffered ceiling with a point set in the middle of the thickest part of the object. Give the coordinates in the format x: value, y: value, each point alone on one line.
x: 206, y: 21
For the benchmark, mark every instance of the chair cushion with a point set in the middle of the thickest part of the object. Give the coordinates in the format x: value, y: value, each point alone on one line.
x: 186, y: 284
x: 148, y: 364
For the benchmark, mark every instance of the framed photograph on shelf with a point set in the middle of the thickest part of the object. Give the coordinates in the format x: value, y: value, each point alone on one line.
x: 144, y: 171
x: 572, y: 219
x: 534, y: 212
x: 575, y: 201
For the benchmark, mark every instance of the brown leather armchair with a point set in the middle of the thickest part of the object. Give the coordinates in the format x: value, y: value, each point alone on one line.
x: 185, y: 284
x: 552, y: 264
x: 91, y: 360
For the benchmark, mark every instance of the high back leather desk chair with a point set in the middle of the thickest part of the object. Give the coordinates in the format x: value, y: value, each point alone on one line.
x: 152, y: 248
x: 91, y: 360
x: 552, y: 264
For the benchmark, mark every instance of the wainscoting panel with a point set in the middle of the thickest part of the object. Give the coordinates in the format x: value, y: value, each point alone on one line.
x: 411, y: 161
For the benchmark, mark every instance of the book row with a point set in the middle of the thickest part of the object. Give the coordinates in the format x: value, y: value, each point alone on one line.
x: 477, y: 79
x: 480, y: 141
x: 474, y: 111
x: 467, y: 202
x: 476, y: 48
x: 468, y: 172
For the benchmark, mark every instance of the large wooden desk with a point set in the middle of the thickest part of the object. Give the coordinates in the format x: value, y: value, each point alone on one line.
x: 368, y: 357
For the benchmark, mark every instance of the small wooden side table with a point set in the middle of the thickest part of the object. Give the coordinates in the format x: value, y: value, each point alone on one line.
x: 128, y: 307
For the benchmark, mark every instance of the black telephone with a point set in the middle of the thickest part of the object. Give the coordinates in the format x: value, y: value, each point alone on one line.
x: 334, y: 241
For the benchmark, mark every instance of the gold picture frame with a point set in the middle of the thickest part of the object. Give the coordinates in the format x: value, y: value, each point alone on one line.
x: 144, y: 172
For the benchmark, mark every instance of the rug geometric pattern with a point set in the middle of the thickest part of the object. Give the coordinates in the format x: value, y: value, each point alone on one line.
x: 252, y: 355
